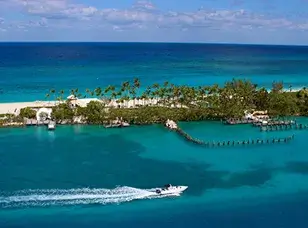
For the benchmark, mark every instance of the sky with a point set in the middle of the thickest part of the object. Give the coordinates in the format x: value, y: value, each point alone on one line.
x: 206, y: 21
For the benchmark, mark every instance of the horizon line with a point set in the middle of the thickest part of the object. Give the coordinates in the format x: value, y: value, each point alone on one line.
x: 159, y: 42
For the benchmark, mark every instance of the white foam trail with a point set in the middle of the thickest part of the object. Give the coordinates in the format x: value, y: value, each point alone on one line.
x: 30, y: 198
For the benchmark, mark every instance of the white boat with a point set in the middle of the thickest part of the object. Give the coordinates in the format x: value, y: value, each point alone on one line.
x: 171, y: 190
x: 51, y: 126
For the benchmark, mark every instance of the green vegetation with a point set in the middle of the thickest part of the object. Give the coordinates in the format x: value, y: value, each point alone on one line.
x: 193, y: 103
x: 6, y: 116
x: 179, y: 103
x: 27, y: 113
x: 9, y: 118
x: 62, y: 111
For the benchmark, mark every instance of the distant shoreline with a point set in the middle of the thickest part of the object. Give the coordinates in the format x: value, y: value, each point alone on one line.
x: 152, y: 42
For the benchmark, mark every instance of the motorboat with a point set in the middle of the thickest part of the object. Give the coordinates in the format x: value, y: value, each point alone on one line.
x: 171, y: 190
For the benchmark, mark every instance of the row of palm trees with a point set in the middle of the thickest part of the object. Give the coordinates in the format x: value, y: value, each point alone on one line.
x: 109, y: 92
x: 230, y: 100
x: 165, y: 92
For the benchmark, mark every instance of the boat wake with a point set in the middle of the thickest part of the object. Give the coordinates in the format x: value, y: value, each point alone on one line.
x: 82, y: 196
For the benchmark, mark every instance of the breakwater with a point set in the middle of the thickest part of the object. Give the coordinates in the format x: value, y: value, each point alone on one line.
x: 173, y: 126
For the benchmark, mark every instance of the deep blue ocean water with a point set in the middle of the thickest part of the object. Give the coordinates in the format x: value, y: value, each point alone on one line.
x: 32, y: 69
x: 88, y: 176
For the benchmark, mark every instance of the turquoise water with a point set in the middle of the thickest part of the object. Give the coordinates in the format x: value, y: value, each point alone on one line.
x: 244, y: 182
x: 32, y: 69
x: 88, y: 176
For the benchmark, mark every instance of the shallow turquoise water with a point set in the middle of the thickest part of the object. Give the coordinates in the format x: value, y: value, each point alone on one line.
x: 79, y: 157
x: 243, y: 186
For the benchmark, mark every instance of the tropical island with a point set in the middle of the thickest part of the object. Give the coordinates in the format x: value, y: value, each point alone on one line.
x: 159, y: 103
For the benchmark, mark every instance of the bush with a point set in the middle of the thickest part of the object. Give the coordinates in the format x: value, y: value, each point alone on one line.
x: 62, y: 112
x: 7, y: 115
x: 27, y: 113
x: 94, y: 112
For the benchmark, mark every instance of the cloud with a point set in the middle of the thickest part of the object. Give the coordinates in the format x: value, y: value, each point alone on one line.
x: 57, y: 14
x: 144, y: 5
x: 53, y: 9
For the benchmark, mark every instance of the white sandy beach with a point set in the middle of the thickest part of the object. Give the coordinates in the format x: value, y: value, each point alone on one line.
x: 14, y: 108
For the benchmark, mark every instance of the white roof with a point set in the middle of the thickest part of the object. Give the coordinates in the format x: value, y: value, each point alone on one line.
x: 71, y: 97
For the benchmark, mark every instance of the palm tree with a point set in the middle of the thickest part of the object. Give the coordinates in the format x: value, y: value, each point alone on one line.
x: 109, y: 89
x: 89, y: 92
x: 53, y: 92
x: 155, y: 86
x: 132, y: 92
x: 98, y: 92
x: 137, y: 84
x: 114, y: 95
x: 73, y: 92
x: 60, y: 97
x: 126, y: 88
x: 76, y: 91
x: 47, y: 96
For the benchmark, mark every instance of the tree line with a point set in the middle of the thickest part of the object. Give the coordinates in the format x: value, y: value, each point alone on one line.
x: 194, y: 103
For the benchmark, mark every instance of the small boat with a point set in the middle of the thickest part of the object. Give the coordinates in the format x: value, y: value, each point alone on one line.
x: 51, y: 126
x: 171, y: 190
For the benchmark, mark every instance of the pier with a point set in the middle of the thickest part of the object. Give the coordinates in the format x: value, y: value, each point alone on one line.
x: 275, y: 123
x: 284, y: 127
x: 173, y: 126
x: 259, y: 122
x: 240, y: 121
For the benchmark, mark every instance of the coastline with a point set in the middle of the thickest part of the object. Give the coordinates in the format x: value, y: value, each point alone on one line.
x: 238, y: 102
x: 15, y: 107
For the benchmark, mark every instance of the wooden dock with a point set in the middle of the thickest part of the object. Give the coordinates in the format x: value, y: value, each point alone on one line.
x: 284, y: 127
x: 196, y: 141
x: 258, y: 123
x: 239, y: 121
x: 234, y: 142
x: 275, y: 123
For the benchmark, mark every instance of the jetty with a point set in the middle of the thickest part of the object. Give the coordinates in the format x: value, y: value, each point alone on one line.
x: 260, y: 123
x: 232, y: 121
x: 275, y: 123
x: 170, y: 124
x: 284, y: 127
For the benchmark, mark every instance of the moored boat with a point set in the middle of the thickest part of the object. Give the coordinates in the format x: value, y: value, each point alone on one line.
x: 51, y: 126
